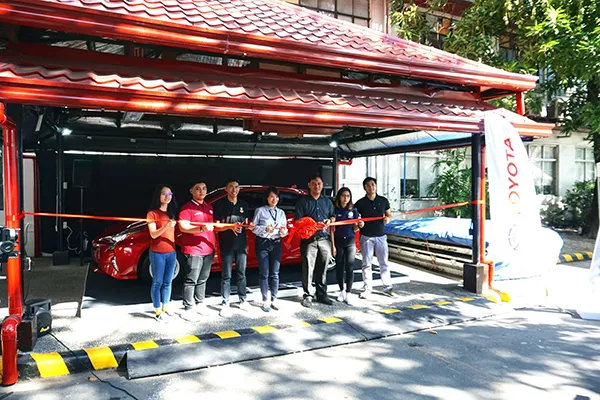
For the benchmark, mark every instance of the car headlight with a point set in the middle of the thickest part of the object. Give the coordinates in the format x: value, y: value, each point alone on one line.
x: 115, y: 239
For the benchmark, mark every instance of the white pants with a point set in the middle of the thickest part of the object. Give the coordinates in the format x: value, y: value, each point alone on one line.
x: 379, y: 246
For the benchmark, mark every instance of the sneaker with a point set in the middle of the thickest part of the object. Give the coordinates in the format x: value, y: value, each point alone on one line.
x: 389, y: 291
x: 349, y: 299
x: 306, y: 302
x: 342, y: 296
x: 366, y: 294
x: 160, y: 317
x: 190, y: 315
x: 201, y: 309
x: 266, y: 307
x: 168, y: 313
x: 225, y: 311
x: 244, y: 305
x: 275, y: 305
x: 325, y: 300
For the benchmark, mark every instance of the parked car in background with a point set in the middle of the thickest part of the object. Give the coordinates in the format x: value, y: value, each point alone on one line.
x: 121, y: 251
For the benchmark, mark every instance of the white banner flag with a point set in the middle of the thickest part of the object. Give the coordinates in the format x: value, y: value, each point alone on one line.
x: 514, y: 210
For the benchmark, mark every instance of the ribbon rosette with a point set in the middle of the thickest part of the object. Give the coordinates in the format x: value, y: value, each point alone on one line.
x: 305, y: 227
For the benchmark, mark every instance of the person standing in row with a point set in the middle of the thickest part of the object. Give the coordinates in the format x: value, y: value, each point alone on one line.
x: 316, y: 250
x: 344, y: 247
x: 373, y: 238
x: 161, y: 224
x: 270, y: 225
x: 232, y: 244
x: 198, y: 246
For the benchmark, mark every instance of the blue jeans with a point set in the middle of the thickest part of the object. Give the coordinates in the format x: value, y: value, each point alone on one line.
x: 227, y: 258
x: 268, y: 255
x: 163, y: 267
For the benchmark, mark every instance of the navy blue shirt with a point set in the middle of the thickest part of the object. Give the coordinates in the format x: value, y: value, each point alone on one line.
x: 319, y: 210
x: 345, y: 231
x: 372, y: 208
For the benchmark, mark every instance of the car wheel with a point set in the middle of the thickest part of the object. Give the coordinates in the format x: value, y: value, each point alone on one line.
x: 145, y: 272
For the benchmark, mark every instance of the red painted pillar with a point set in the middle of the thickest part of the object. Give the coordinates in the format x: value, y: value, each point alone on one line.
x: 520, y: 97
x: 10, y: 149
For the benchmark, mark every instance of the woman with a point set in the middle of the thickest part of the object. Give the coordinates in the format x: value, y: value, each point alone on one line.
x: 343, y: 245
x: 161, y: 224
x: 270, y: 225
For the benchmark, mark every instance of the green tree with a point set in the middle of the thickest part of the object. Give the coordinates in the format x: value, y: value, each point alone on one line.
x: 559, y: 39
x: 452, y: 183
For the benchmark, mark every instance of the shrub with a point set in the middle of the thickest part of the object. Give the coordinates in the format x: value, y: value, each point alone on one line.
x: 579, y: 204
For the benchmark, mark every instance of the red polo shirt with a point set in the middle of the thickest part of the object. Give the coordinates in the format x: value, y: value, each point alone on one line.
x: 197, y: 244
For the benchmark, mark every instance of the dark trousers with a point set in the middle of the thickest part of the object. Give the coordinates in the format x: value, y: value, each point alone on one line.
x: 344, y: 261
x: 197, y: 271
x: 315, y: 255
x: 268, y: 255
x: 227, y: 258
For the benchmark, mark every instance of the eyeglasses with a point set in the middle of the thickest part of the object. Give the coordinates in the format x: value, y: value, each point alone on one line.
x: 167, y: 193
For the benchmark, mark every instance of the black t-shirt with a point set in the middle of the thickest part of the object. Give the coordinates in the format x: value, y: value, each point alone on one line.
x: 372, y: 208
x: 225, y: 211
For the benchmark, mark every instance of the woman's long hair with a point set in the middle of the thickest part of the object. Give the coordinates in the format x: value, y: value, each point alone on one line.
x: 155, y: 204
x: 337, y: 202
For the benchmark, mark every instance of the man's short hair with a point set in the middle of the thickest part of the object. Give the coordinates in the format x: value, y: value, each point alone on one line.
x: 315, y: 176
x: 228, y: 181
x: 368, y: 179
x: 197, y: 182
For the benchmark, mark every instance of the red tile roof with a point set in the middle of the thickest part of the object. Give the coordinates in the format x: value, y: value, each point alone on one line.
x: 64, y: 77
x: 266, y: 29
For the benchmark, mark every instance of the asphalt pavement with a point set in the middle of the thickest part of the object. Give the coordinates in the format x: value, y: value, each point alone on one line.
x: 531, y: 353
x: 540, y: 350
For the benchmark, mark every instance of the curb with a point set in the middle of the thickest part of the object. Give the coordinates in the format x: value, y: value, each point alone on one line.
x: 571, y: 257
x: 48, y: 365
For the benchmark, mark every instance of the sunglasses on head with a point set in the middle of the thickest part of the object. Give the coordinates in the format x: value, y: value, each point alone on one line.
x: 167, y: 193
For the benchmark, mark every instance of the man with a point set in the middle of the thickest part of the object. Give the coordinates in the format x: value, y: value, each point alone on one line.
x: 373, y: 238
x: 316, y: 251
x: 232, y: 244
x: 198, y: 246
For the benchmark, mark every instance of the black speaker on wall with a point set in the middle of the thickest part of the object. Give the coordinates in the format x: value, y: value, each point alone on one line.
x: 82, y: 173
x: 326, y: 172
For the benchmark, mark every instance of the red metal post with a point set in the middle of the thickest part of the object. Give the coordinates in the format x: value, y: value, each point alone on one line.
x: 10, y: 149
x: 520, y: 97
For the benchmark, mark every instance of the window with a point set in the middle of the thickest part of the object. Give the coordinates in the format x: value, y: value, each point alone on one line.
x: 584, y: 164
x: 355, y: 11
x: 420, y: 173
x: 543, y: 162
x: 506, y: 44
x: 287, y: 201
x: 440, y: 29
x: 396, y: 182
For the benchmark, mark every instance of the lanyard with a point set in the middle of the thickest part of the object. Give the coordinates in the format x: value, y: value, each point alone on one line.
x: 273, y: 215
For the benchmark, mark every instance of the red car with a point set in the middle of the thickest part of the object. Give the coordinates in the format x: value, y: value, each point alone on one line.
x: 122, y: 251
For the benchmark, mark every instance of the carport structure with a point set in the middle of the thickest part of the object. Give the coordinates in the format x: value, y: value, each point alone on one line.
x: 259, y: 77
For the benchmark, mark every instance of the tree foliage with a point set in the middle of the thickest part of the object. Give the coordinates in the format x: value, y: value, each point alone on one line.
x: 558, y: 38
x: 452, y: 183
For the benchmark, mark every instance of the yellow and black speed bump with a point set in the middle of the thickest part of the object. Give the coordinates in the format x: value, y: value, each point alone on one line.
x: 171, y: 359
x: 567, y: 258
x: 46, y: 365
x: 406, y: 319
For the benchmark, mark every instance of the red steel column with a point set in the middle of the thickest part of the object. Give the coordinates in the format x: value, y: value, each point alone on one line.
x: 13, y: 266
x: 520, y: 97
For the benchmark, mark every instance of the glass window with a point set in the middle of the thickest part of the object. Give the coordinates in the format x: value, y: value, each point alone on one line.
x: 543, y: 162
x: 287, y: 201
x: 584, y: 164
x: 356, y: 11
